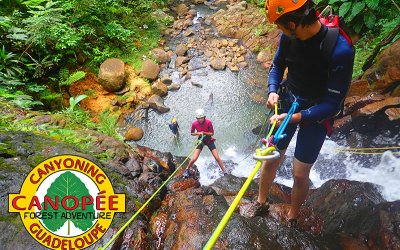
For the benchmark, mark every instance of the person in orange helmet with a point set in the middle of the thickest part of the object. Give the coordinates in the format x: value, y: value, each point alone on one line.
x: 317, y: 84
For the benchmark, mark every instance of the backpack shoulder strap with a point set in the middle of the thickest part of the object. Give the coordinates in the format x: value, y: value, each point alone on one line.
x: 285, y: 43
x: 329, y: 43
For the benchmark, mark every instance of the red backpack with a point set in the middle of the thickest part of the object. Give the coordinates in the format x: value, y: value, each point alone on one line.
x: 334, y: 22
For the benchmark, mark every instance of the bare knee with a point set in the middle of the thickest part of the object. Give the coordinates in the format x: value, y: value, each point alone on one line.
x: 270, y: 166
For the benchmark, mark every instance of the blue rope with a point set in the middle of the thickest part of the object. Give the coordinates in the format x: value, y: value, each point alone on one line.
x: 278, y: 135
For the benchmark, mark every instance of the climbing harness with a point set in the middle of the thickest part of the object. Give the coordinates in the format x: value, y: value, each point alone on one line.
x: 265, y: 153
x: 198, y: 141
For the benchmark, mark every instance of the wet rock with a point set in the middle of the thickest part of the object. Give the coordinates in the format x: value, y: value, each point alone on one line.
x: 198, y: 85
x: 112, y: 74
x: 157, y: 103
x: 393, y: 113
x: 160, y: 55
x: 218, y: 63
x: 159, y: 88
x: 197, y: 1
x: 54, y: 119
x: 186, y: 24
x: 357, y: 209
x: 181, y: 50
x: 181, y: 9
x: 376, y: 106
x: 166, y: 79
x: 134, y: 134
x: 165, y: 160
x: 341, y: 201
x: 134, y: 167
x: 386, y: 71
x: 150, y: 70
x: 174, y: 86
x: 188, y: 32
x: 180, y: 60
x: 192, y: 13
x: 230, y: 186
x: 359, y: 88
x: 354, y: 103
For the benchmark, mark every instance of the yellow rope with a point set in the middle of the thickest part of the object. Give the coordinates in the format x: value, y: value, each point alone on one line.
x: 367, y: 153
x: 356, y: 149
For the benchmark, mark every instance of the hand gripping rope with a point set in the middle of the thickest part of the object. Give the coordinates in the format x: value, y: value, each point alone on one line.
x: 198, y: 141
x: 267, y: 152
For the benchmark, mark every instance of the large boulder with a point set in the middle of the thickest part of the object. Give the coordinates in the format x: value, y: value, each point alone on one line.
x: 112, y: 74
x: 134, y: 134
x: 181, y: 9
x: 357, y: 209
x: 150, y: 70
x: 373, y: 102
x: 157, y: 103
x: 385, y: 73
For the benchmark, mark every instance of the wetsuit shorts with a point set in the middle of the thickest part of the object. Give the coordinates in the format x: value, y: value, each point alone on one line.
x: 309, y: 141
x: 210, y: 146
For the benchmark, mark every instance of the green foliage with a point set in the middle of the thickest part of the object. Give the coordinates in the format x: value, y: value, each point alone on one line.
x: 9, y: 64
x: 73, y: 101
x: 9, y: 89
x: 116, y: 31
x: 108, y: 125
x: 79, y: 75
x: 369, y: 41
x: 41, y: 22
x: 361, y: 15
x: 48, y: 36
x: 67, y: 184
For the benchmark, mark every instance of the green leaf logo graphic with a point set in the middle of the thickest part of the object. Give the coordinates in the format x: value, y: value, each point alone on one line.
x: 67, y: 184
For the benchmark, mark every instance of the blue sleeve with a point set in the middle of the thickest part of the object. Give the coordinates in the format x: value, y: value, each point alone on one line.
x: 337, y: 85
x: 277, y: 69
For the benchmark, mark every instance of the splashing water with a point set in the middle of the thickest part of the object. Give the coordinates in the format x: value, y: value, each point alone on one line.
x: 386, y: 174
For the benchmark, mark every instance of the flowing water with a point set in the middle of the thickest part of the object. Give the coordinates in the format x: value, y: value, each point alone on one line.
x: 226, y: 98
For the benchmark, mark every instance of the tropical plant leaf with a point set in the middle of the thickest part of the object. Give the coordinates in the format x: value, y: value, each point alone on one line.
x: 73, y: 78
x: 369, y: 20
x: 67, y: 184
x: 344, y: 8
x: 358, y: 26
x: 357, y: 8
x: 372, y: 4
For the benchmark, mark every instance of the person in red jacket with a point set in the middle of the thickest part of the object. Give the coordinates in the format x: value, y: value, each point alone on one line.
x: 203, y: 127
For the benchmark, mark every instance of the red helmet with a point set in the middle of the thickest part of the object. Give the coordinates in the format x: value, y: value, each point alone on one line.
x: 276, y: 8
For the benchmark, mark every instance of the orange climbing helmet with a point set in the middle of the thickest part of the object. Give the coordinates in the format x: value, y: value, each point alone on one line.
x: 276, y: 8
